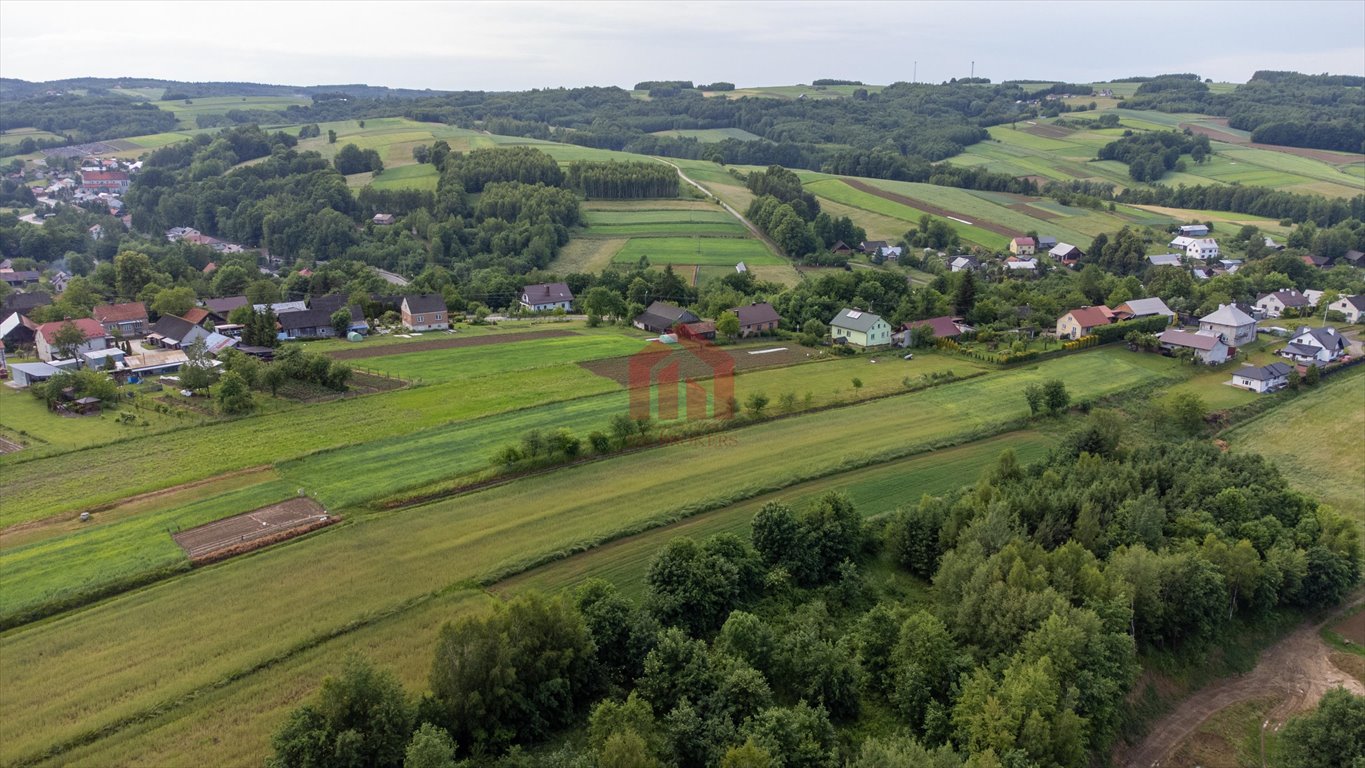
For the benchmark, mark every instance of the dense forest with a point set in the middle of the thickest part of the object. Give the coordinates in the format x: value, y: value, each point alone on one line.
x: 86, y: 118
x: 783, y: 649
x: 1150, y: 154
x: 1288, y: 108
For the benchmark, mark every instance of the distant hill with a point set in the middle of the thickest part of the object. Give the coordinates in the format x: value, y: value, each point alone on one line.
x: 13, y: 90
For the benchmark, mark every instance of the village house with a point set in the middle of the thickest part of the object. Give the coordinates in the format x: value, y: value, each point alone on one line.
x: 24, y: 303
x: 16, y: 331
x: 308, y: 324
x: 1066, y: 254
x: 840, y: 247
x: 426, y: 312
x: 126, y: 320
x: 963, y: 263
x: 19, y: 278
x: 546, y: 297
x: 280, y: 307
x: 1023, y: 246
x: 859, y: 329
x: 1207, y: 346
x: 1354, y: 258
x: 222, y: 307
x: 661, y: 317
x: 1315, y: 346
x: 1081, y: 322
x: 757, y: 318
x: 108, y: 181
x: 1275, y: 304
x: 1197, y: 248
x: 1264, y: 378
x: 872, y: 246
x: 1137, y: 309
x: 383, y: 219
x: 46, y: 338
x: 943, y: 327
x: 1350, y: 306
x: 1230, y: 324
x: 172, y: 332
x: 1317, y: 262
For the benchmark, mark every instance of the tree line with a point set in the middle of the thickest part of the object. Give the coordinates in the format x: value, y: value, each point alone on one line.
x: 1150, y: 154
x: 632, y: 180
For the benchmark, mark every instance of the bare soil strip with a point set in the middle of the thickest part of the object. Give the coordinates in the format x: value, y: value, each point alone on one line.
x: 1326, y: 156
x: 427, y: 346
x: 251, y: 530
x: 1037, y: 213
x: 1298, y: 670
x: 929, y: 208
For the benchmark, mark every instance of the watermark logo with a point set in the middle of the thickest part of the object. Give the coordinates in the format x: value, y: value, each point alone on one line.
x: 664, y: 379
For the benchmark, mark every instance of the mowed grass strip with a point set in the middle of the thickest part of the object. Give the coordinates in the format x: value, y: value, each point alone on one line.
x: 473, y: 362
x: 77, y: 676
x: 875, y: 490
x: 696, y: 250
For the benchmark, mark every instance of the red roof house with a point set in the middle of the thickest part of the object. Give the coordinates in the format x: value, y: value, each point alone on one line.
x: 95, y: 338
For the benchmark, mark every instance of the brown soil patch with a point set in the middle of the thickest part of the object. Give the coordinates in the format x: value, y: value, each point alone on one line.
x: 1296, y: 671
x: 1352, y: 628
x: 1049, y: 131
x: 252, y: 530
x: 692, y: 367
x: 8, y: 446
x: 427, y: 346
x: 929, y: 208
x: 1037, y: 213
x: 1322, y: 155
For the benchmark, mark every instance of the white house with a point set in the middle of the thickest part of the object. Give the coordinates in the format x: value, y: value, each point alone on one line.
x: 1200, y: 248
x: 1265, y: 378
x: 1315, y: 346
x: 1208, y: 347
x: 546, y: 297
x: 1350, y: 306
x: 46, y: 338
x: 1231, y: 324
x: 1274, y: 304
x: 861, y: 329
x: 962, y: 263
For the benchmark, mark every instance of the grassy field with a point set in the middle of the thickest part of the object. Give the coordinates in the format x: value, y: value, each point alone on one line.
x: 709, y: 251
x: 475, y: 362
x: 421, y: 177
x: 26, y: 420
x: 228, y: 620
x: 711, y: 134
x: 220, y: 105
x: 663, y: 223
x: 584, y: 254
x: 16, y: 135
x: 1321, y: 453
x: 875, y: 491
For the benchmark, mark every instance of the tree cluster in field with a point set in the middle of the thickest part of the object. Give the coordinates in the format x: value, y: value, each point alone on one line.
x: 1258, y: 201
x: 87, y: 118
x: 291, y: 364
x: 352, y: 159
x: 634, y: 180
x: 1287, y: 108
x: 791, y: 216
x: 1049, y: 580
x: 834, y: 81
x: 525, y: 165
x: 1150, y: 154
x: 81, y: 383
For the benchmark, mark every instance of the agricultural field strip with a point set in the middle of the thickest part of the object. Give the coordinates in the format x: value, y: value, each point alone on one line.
x: 231, y: 724
x: 196, y: 627
x: 697, y: 250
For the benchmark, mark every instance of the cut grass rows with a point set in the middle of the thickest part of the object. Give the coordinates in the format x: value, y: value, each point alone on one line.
x: 696, y: 250
x: 154, y: 646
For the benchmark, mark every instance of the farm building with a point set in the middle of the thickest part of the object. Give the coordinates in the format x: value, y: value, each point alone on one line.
x: 1016, y: 264
x: 1231, y: 324
x: 546, y: 297
x: 1066, y: 254
x: 280, y: 307
x: 1207, y: 347
x: 1317, y: 262
x: 840, y: 247
x: 1350, y: 306
x: 19, y: 278
x: 1165, y: 260
x: 757, y: 318
x: 1194, y: 230
x: 171, y: 332
x: 383, y: 219
x: 308, y: 324
x: 221, y: 308
x: 660, y: 317
x: 1274, y: 304
x: 26, y: 374
x: 1081, y: 322
x: 1139, y: 308
x: 426, y: 312
x: 98, y: 360
x: 702, y: 329
x: 859, y: 329
x: 95, y: 337
x: 1265, y: 378
x: 24, y: 303
x: 1047, y: 242
x: 1315, y: 346
x: 944, y: 327
x: 1023, y: 246
x: 963, y: 263
x: 128, y: 319
x: 138, y: 367
x: 17, y: 330
x: 1354, y: 258
x: 872, y: 246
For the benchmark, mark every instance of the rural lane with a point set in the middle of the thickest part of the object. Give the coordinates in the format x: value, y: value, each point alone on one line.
x: 747, y: 224
x: 1296, y: 668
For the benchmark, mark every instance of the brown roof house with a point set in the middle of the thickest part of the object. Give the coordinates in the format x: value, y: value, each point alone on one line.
x: 122, y: 319
x: 95, y: 338
x: 1023, y: 246
x: 1080, y: 322
x: 1208, y: 347
x: 757, y: 318
x: 546, y: 297
x: 944, y: 327
x: 426, y: 312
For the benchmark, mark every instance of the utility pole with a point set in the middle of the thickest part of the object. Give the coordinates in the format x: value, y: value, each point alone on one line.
x: 914, y: 78
x: 973, y: 67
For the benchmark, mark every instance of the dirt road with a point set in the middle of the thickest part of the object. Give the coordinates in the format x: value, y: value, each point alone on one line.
x: 758, y: 233
x: 1297, y: 668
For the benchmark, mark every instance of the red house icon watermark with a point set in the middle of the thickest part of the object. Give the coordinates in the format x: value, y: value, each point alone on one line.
x: 656, y: 375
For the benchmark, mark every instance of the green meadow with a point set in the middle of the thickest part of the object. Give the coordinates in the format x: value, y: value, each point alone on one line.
x: 696, y: 250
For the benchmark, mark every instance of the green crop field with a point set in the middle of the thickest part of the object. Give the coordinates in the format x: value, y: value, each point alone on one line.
x: 587, y: 254
x: 219, y: 105
x: 663, y: 223
x: 835, y: 189
x: 711, y: 134
x: 699, y: 250
x: 1320, y: 454
x: 475, y: 362
x: 16, y: 135
x: 227, y: 620
x: 875, y: 490
x: 422, y: 177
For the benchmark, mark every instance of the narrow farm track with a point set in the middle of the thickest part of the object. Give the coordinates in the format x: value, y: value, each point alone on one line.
x: 1297, y: 668
x: 927, y: 207
x: 747, y: 224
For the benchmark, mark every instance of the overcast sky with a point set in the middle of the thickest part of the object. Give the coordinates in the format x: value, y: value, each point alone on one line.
x: 519, y: 45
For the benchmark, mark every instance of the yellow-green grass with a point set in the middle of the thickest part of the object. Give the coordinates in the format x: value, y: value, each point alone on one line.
x: 221, y: 105
x: 596, y: 217
x: 232, y: 724
x: 17, y: 135
x: 149, y: 93
x: 838, y: 191
x: 711, y: 134
x: 782, y: 274
x: 392, y: 137
x: 26, y: 420
x: 663, y: 223
x: 797, y: 91
x: 1231, y: 738
x: 875, y: 490
x: 103, y: 474
x: 663, y: 204
x: 153, y: 647
x: 710, y: 251
x: 587, y: 254
x: 392, y: 343
x: 1315, y: 440
x: 421, y: 177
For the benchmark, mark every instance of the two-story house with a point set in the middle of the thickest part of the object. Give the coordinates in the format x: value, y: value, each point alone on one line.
x: 860, y: 329
x: 426, y: 312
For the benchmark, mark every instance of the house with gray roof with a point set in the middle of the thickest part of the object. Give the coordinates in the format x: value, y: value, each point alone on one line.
x: 1315, y: 346
x: 1165, y: 260
x: 546, y: 297
x: 1274, y: 304
x: 661, y: 317
x: 1264, y: 378
x: 1231, y: 324
x: 1138, y: 308
x: 859, y: 328
x: 1353, y: 307
x: 1207, y: 346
